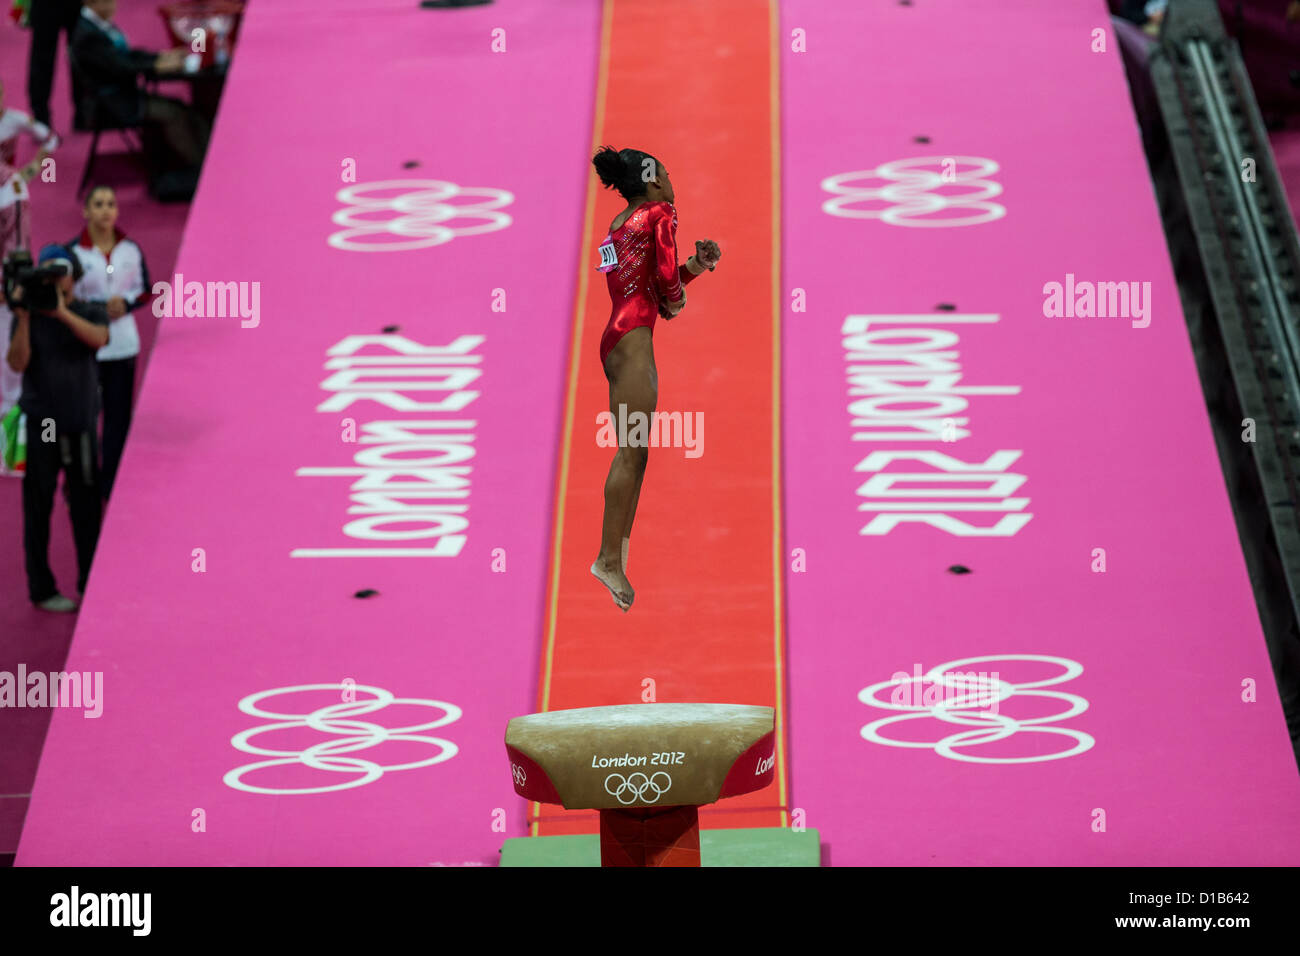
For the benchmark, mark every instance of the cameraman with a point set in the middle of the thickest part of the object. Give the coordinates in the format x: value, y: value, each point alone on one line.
x: 55, y: 350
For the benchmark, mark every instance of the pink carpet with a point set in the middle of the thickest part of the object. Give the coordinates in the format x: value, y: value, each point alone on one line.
x: 397, y: 701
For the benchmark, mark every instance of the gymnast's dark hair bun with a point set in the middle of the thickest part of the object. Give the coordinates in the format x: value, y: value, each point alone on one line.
x: 609, y: 166
x: 621, y: 169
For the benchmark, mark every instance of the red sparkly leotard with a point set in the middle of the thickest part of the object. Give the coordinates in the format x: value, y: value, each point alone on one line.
x: 645, y: 272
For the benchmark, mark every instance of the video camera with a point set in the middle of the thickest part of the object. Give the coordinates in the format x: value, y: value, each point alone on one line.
x: 37, y: 281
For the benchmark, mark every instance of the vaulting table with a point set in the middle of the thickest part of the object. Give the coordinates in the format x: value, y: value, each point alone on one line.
x: 647, y: 768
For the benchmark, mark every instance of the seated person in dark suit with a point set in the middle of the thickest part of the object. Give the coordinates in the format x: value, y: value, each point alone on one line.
x: 109, y: 67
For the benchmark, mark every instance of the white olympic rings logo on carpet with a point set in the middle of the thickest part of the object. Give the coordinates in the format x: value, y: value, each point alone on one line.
x: 353, y: 735
x: 518, y: 773
x: 637, y: 784
x: 911, y: 192
x: 990, y: 727
x: 418, y: 217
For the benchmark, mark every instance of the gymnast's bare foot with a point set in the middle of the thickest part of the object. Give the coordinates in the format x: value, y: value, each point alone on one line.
x: 620, y: 589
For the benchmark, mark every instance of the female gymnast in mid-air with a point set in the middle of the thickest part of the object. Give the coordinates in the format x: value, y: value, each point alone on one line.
x: 639, y: 259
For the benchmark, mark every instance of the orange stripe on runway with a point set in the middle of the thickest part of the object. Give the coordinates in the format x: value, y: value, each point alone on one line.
x: 695, y: 85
